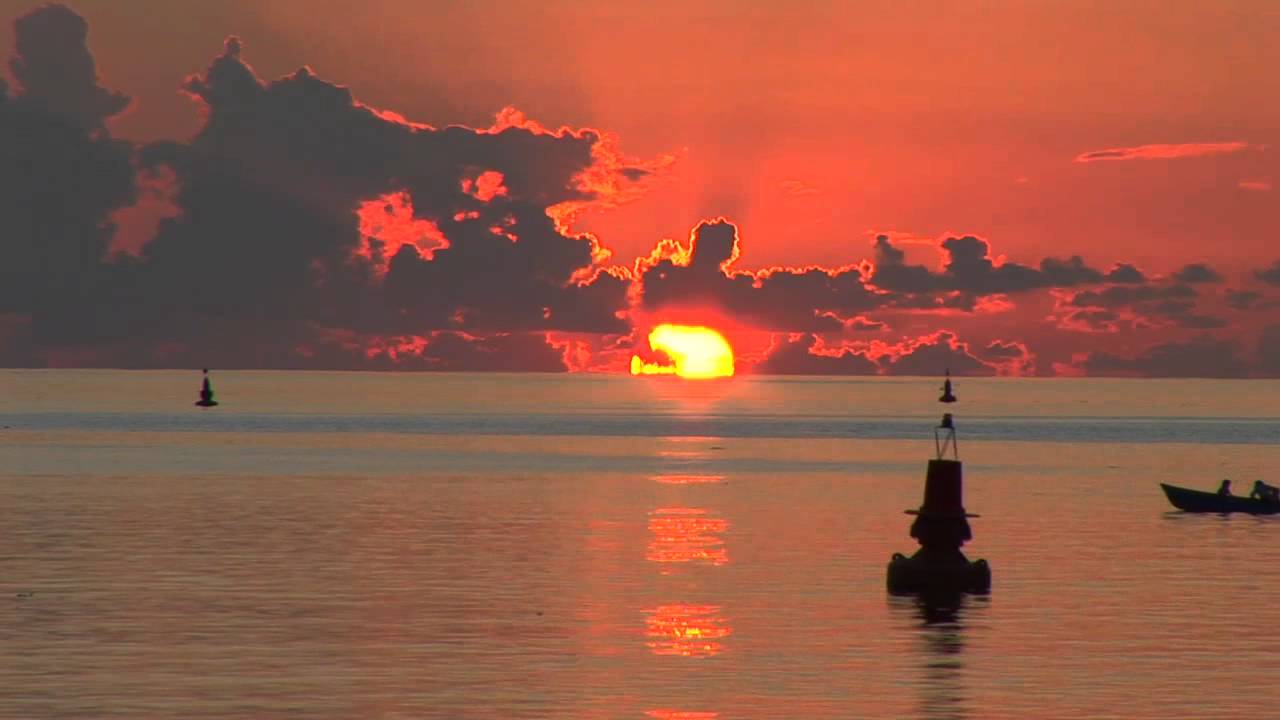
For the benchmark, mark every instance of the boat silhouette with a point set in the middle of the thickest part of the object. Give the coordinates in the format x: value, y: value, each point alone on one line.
x: 1199, y: 501
x: 206, y: 392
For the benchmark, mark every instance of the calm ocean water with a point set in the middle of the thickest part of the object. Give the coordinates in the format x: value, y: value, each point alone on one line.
x: 332, y: 545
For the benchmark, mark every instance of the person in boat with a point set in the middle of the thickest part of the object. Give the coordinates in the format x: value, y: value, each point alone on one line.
x: 1263, y: 491
x: 1225, y: 488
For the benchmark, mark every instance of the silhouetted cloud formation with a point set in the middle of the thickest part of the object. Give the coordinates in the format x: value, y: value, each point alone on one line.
x: 969, y: 268
x: 281, y: 170
x: 1242, y: 299
x: 1270, y: 275
x: 304, y: 229
x: 266, y: 243
x: 1200, y: 356
x: 1269, y: 351
x: 800, y: 355
x: 701, y: 272
x: 61, y: 178
x: 56, y: 72
x: 1197, y: 273
x: 1125, y: 273
x: 943, y: 349
x: 1142, y: 305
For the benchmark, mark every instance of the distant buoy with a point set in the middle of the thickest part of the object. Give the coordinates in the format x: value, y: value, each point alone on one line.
x: 947, y: 395
x: 206, y: 393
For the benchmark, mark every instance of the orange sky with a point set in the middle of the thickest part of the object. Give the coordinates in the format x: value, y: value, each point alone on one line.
x: 813, y: 126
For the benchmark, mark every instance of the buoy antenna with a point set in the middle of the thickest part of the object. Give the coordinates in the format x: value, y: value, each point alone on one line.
x: 944, y: 436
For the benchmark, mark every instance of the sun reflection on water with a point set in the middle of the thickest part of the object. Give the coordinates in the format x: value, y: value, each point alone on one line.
x: 686, y: 630
x: 688, y: 479
x: 682, y: 535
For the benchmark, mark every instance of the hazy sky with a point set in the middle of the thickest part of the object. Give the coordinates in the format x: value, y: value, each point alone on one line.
x: 1142, y: 133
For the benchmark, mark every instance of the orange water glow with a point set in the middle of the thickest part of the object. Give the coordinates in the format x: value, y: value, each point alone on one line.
x: 686, y: 630
x: 687, y: 479
x: 683, y: 535
x: 695, y: 352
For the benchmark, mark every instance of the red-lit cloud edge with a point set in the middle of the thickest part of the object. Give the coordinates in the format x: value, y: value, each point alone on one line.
x: 303, y: 229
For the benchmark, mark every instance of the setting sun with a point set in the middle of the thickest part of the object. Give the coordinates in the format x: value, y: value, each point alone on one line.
x: 695, y: 352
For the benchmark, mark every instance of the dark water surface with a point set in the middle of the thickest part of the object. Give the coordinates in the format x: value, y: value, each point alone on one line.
x: 478, y: 546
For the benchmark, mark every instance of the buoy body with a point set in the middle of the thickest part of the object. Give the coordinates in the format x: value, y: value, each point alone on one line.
x: 941, y: 527
x: 206, y: 393
x: 947, y: 395
x: 937, y: 576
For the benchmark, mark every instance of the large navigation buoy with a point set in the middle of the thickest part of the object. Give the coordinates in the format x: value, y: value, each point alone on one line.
x: 941, y: 526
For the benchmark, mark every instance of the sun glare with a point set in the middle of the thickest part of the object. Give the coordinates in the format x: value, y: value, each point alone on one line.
x: 695, y: 352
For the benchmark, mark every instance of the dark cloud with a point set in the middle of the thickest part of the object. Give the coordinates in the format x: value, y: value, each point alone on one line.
x: 56, y: 72
x: 1091, y: 320
x: 1269, y: 351
x: 1145, y: 305
x: 275, y: 228
x: 318, y: 348
x: 1119, y: 296
x: 701, y: 274
x: 934, y: 354
x: 800, y: 355
x: 273, y: 186
x: 1181, y: 313
x: 61, y: 177
x: 929, y: 355
x: 1201, y: 356
x: 893, y: 273
x: 1006, y: 350
x: 492, y: 353
x: 1141, y: 305
x: 969, y: 268
x: 1197, y: 273
x: 303, y: 228
x: 1270, y: 275
x: 1242, y: 299
x: 16, y: 346
x: 862, y: 324
x: 1124, y: 273
x: 1011, y: 357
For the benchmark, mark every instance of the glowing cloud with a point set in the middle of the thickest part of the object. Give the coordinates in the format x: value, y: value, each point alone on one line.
x: 695, y: 351
x: 1164, y: 151
x: 388, y: 223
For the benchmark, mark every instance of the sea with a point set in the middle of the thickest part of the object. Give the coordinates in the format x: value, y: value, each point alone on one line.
x: 490, y: 546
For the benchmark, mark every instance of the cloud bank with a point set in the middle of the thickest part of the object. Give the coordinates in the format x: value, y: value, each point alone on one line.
x: 302, y: 228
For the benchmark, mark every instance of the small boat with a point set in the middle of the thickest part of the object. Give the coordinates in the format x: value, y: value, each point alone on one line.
x: 206, y: 393
x: 1200, y: 501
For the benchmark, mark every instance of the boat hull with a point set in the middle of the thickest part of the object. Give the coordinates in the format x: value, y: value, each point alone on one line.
x: 1198, y: 501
